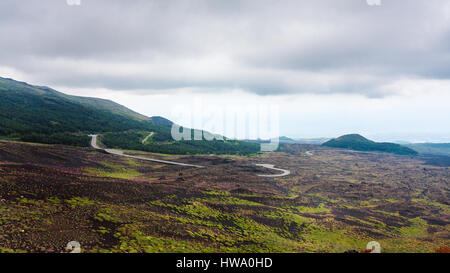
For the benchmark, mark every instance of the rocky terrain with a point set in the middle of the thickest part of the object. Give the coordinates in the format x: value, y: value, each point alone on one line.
x: 334, y: 200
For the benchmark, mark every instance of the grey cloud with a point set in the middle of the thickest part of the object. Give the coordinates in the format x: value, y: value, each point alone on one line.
x: 265, y: 47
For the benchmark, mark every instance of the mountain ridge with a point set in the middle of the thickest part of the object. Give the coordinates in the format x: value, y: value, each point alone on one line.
x: 360, y: 143
x: 43, y: 115
x: 104, y: 104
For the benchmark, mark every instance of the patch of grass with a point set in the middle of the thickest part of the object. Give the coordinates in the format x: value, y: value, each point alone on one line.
x: 114, y: 171
x: 199, y: 210
x: 319, y: 209
x: 372, y: 222
x: 216, y: 192
x: 406, y: 245
x: 395, y: 214
x: 335, y: 241
x: 26, y: 201
x: 103, y: 230
x: 54, y: 200
x: 80, y: 202
x: 132, y: 162
x: 106, y: 215
x: 417, y: 229
x: 7, y: 250
x: 229, y: 200
x: 443, y: 207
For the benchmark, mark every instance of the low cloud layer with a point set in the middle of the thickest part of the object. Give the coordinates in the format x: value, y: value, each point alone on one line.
x: 261, y: 46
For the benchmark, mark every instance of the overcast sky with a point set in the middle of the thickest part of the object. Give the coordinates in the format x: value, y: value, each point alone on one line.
x: 332, y: 67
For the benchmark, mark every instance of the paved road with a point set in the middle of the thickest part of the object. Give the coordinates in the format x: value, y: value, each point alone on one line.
x: 270, y: 166
x: 147, y: 137
x: 94, y: 142
x: 120, y: 153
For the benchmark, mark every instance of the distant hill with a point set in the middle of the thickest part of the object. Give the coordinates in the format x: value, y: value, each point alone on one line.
x: 285, y: 138
x: 313, y: 141
x: 431, y: 148
x: 360, y: 143
x: 288, y: 140
x: 41, y: 114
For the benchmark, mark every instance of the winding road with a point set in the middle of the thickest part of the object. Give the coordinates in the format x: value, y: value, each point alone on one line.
x: 272, y: 167
x: 94, y: 145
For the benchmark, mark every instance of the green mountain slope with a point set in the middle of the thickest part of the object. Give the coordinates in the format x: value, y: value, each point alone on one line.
x: 360, y: 143
x: 32, y: 109
x: 41, y: 114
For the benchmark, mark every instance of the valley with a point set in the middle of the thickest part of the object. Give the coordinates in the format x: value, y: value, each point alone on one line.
x: 334, y: 200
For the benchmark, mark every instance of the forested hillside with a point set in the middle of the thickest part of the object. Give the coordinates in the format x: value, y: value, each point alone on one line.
x: 360, y: 143
x: 41, y: 114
